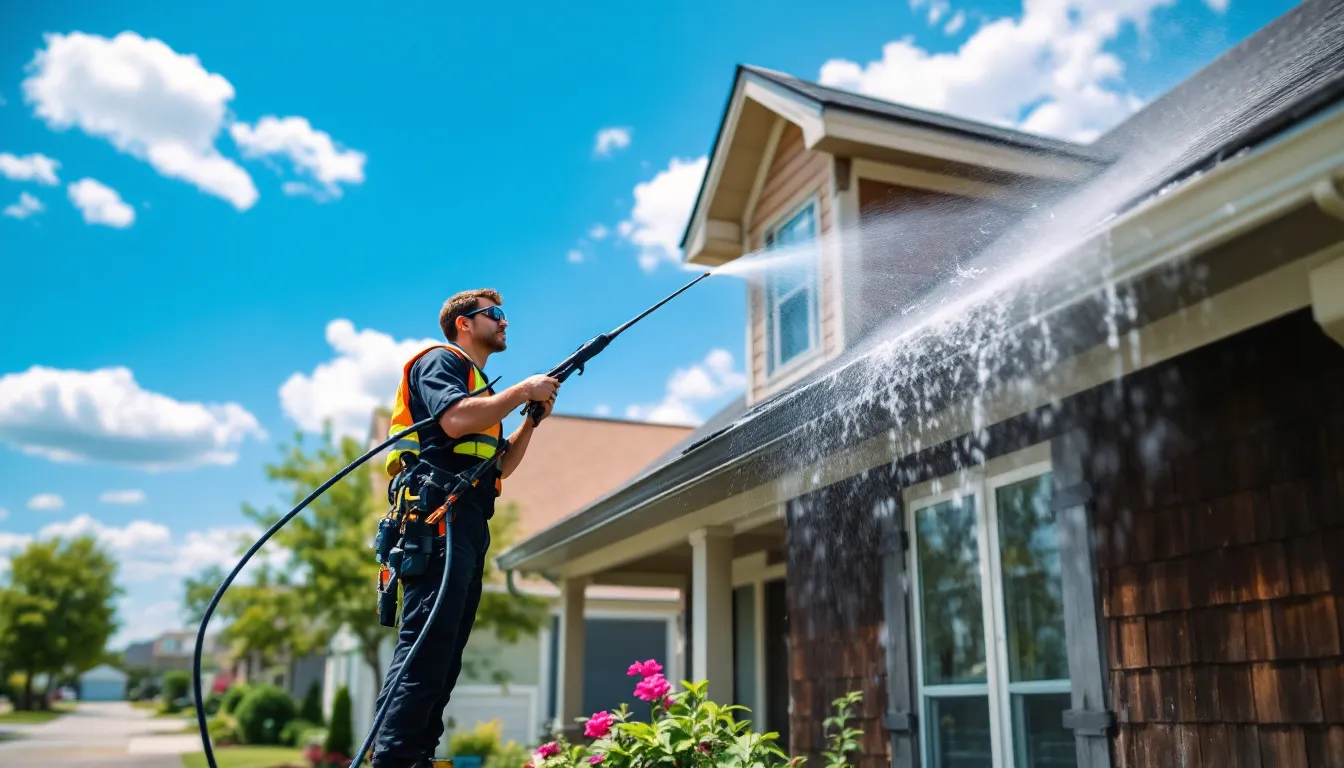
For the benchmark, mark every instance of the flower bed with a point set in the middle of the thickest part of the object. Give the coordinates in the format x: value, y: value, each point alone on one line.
x: 684, y: 730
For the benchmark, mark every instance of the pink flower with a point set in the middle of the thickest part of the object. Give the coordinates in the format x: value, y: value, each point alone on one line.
x: 599, y: 725
x: 548, y: 750
x: 644, y: 668
x: 652, y: 688
x: 595, y: 759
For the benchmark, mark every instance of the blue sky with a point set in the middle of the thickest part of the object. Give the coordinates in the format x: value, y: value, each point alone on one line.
x: 335, y: 162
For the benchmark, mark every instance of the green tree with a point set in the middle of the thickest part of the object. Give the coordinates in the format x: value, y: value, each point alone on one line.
x: 57, y: 611
x: 341, y: 734
x: 330, y: 545
x: 263, y: 616
x: 312, y: 705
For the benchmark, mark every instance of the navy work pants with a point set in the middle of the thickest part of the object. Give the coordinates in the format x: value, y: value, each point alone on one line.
x: 414, y: 721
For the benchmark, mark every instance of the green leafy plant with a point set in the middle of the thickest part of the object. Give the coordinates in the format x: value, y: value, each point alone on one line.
x: 263, y: 714
x: 842, y: 737
x: 509, y: 755
x: 685, y: 729
x: 292, y: 734
x: 482, y: 741
x: 223, y: 731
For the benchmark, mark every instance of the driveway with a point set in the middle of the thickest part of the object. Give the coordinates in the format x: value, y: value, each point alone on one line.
x: 101, y: 734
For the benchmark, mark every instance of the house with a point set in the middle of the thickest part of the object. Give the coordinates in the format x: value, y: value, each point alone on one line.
x: 1042, y: 447
x: 103, y: 683
x: 558, y: 476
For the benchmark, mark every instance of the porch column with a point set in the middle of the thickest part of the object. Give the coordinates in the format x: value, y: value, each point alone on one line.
x: 712, y: 611
x: 571, y: 673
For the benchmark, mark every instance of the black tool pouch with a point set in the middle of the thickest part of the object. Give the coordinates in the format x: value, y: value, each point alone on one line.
x: 417, y: 548
x: 387, y: 590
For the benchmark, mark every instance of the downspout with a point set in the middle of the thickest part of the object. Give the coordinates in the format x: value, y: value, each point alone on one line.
x: 1326, y: 282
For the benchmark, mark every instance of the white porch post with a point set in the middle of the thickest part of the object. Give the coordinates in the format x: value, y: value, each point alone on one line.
x: 571, y: 673
x: 712, y: 611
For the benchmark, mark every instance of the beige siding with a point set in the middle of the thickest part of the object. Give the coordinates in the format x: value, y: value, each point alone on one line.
x: 795, y: 175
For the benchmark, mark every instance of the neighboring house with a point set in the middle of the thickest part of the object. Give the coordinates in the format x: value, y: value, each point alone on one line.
x: 103, y: 683
x: 571, y: 461
x: 170, y: 651
x: 1043, y: 444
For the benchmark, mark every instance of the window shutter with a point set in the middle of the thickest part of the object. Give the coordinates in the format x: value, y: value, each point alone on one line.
x: 1089, y: 718
x: 901, y: 717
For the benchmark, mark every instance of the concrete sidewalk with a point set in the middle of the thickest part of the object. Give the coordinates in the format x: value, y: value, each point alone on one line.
x: 98, y: 734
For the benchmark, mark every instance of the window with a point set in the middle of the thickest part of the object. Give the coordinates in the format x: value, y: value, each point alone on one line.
x: 992, y: 663
x: 791, y: 289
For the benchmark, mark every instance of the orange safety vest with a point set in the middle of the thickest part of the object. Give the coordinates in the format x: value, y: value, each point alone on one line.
x: 480, y: 445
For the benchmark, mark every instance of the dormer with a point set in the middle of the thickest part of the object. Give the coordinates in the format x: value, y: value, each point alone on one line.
x: 800, y: 166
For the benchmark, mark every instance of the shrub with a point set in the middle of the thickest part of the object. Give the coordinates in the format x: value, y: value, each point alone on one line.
x: 213, y: 703
x: 510, y: 755
x: 262, y: 714
x: 232, y: 697
x: 176, y: 685
x: 222, y: 731
x: 312, y: 705
x: 340, y: 733
x: 293, y: 732
x: 482, y: 741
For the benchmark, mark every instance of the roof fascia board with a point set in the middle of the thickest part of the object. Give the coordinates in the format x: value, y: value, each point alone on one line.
x: 762, y: 171
x: 864, y: 129
x: 1228, y: 200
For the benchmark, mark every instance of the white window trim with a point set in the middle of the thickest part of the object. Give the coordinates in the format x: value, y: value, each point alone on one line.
x: 774, y: 371
x: 982, y: 481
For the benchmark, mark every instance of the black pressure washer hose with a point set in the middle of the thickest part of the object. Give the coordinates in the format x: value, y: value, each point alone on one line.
x: 571, y: 365
x: 214, y: 601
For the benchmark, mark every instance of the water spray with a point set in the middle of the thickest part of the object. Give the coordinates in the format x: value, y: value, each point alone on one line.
x: 571, y: 365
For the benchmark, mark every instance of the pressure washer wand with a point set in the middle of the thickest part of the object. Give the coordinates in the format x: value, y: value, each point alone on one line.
x: 590, y: 349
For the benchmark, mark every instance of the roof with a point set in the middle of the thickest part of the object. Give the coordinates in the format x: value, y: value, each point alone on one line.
x: 104, y: 672
x: 572, y: 461
x: 822, y: 99
x: 1280, y: 76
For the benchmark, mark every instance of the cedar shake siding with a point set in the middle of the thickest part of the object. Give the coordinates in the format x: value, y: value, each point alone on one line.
x: 1221, y: 557
x: 796, y: 175
x: 1217, y: 519
x: 835, y: 617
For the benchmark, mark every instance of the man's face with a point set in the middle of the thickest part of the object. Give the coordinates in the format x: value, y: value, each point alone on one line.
x: 486, y: 331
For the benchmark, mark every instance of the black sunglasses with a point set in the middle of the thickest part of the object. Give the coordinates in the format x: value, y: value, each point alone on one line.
x: 494, y: 312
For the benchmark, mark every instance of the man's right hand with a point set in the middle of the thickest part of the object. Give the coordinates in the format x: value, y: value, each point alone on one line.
x: 539, y: 388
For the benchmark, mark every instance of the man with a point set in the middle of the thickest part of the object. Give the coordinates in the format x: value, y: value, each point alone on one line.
x: 451, y: 381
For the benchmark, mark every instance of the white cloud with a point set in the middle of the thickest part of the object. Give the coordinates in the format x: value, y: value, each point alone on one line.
x: 142, y: 621
x: 312, y: 153
x: 46, y: 502
x: 25, y: 207
x: 346, y: 389
x: 104, y: 416
x: 35, y: 167
x: 936, y: 8
x: 132, y: 496
x: 147, y: 551
x: 662, y: 208
x: 147, y: 100
x: 1217, y: 6
x: 574, y: 256
x: 609, y: 139
x: 710, y: 379
x: 1045, y: 72
x: 101, y: 204
x: 602, y: 409
x: 598, y: 232
x: 955, y: 23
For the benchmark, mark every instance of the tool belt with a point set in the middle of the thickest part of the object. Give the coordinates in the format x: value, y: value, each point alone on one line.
x: 405, y: 542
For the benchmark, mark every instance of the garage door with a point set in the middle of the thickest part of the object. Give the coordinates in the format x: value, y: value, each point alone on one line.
x: 515, y: 708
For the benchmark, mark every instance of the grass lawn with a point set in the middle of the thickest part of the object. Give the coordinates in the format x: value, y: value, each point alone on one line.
x: 247, y: 757
x: 36, y: 717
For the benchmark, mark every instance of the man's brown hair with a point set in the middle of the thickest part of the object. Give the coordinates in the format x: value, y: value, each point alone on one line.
x: 460, y: 304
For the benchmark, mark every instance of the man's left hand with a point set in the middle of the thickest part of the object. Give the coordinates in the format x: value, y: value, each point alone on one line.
x: 546, y: 408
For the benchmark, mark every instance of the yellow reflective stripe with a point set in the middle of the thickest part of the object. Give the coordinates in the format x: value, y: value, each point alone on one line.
x: 477, y: 448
